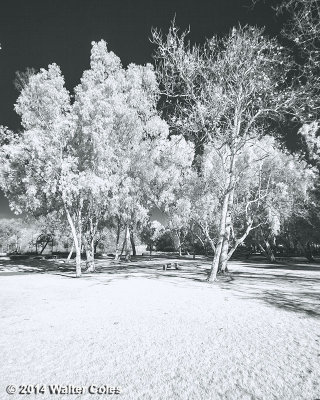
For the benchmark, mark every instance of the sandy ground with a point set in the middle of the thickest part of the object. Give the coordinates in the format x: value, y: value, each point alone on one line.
x: 162, y: 334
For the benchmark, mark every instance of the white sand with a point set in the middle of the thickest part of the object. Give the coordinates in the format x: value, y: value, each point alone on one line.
x: 157, y: 337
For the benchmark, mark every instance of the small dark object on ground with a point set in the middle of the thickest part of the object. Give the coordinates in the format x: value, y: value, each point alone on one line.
x: 170, y: 265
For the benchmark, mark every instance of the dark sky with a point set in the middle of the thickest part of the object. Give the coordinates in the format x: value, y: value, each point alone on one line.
x: 35, y: 33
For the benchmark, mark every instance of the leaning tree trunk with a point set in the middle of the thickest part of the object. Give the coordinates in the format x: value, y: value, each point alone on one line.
x: 267, y: 251
x: 70, y: 253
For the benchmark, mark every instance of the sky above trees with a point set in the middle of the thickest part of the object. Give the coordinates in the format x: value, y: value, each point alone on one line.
x: 37, y: 33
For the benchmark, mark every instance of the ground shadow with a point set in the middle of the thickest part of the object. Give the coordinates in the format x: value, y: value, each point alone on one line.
x: 287, y: 286
x: 280, y: 287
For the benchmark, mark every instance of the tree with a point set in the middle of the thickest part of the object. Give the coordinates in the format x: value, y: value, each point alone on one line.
x: 224, y: 93
x: 273, y: 187
x: 39, y: 170
x: 172, y: 167
x: 303, y: 32
x: 8, y: 235
x: 118, y: 130
x: 89, y: 157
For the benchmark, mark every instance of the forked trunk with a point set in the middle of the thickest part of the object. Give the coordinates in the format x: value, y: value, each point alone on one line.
x: 224, y: 264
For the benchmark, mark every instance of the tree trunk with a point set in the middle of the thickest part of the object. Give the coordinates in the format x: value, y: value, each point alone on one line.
x: 89, y: 245
x: 90, y: 256
x: 222, y: 229
x: 116, y: 257
x: 127, y: 241
x: 308, y: 252
x: 193, y: 246
x: 90, y: 261
x: 44, y: 246
x: 76, y: 240
x: 70, y: 253
x: 267, y: 251
x: 225, y: 245
x: 223, y: 262
x: 177, y: 243
x: 134, y: 252
x: 95, y: 247
x: 124, y: 244
x: 270, y: 252
x: 222, y: 268
x: 78, y: 261
x: 240, y: 241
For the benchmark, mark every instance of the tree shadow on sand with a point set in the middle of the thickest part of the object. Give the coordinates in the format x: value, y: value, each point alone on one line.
x: 147, y: 267
x: 34, y: 266
x: 293, y: 287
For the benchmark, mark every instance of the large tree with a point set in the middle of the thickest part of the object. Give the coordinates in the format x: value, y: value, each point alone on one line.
x: 78, y: 157
x: 225, y: 94
x: 39, y: 169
